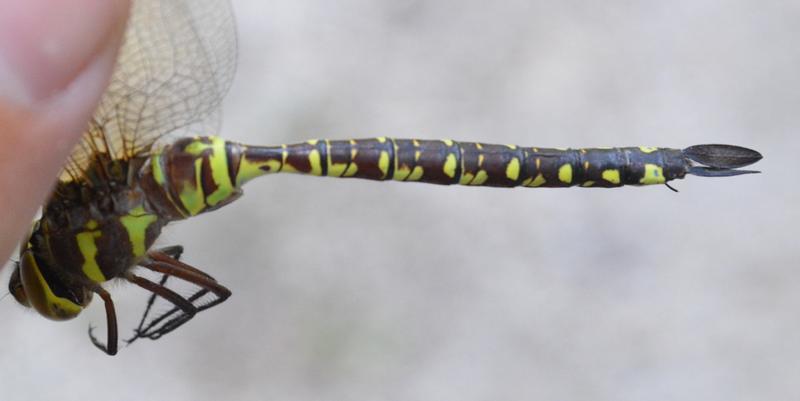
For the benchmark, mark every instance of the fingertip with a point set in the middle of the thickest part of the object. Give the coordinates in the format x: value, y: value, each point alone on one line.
x: 45, y: 44
x: 47, y: 94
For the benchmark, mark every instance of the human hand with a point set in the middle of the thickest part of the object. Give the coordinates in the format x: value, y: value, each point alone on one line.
x: 55, y: 60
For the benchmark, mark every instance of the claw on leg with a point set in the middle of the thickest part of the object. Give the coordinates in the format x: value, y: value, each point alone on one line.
x: 110, y: 347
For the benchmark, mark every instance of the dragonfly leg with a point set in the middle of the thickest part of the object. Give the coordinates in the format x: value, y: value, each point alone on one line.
x: 158, y: 289
x: 174, y: 251
x: 150, y: 301
x: 184, y: 310
x: 110, y: 347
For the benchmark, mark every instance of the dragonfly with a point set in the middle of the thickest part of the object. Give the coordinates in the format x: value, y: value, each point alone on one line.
x: 137, y: 169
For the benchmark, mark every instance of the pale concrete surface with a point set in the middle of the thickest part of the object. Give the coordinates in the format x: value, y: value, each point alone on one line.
x: 354, y: 290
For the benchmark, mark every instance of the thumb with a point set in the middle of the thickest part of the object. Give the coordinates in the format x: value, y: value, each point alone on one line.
x: 55, y: 60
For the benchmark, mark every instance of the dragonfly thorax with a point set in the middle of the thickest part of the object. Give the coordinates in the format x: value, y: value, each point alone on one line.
x: 86, y: 236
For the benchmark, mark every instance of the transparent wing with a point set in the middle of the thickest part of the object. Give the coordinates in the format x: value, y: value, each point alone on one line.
x: 176, y: 64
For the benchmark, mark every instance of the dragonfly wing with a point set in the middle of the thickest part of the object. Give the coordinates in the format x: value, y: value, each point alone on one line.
x: 175, y: 66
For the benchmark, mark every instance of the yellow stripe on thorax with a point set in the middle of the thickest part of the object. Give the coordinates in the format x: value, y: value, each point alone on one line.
x: 161, y: 179
x: 88, y: 248
x: 218, y: 160
x: 192, y: 196
x: 136, y: 223
x: 192, y: 193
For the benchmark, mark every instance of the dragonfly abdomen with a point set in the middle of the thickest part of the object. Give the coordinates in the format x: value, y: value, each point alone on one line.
x: 449, y: 162
x: 195, y: 175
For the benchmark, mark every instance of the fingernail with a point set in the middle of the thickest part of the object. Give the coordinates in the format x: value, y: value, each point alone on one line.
x: 45, y: 45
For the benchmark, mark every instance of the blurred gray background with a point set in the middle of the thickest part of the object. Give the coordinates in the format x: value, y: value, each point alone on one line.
x: 356, y: 290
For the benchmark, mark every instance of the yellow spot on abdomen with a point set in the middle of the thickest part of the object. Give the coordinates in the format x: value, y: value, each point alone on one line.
x: 352, y: 169
x: 480, y: 177
x: 285, y: 166
x: 449, y: 167
x: 466, y: 178
x: 648, y: 149
x: 249, y: 170
x: 383, y: 163
x: 401, y: 173
x: 337, y: 169
x: 315, y: 161
x: 565, y: 173
x: 611, y: 175
x: 512, y: 169
x: 416, y: 173
x: 653, y: 174
x: 535, y: 182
